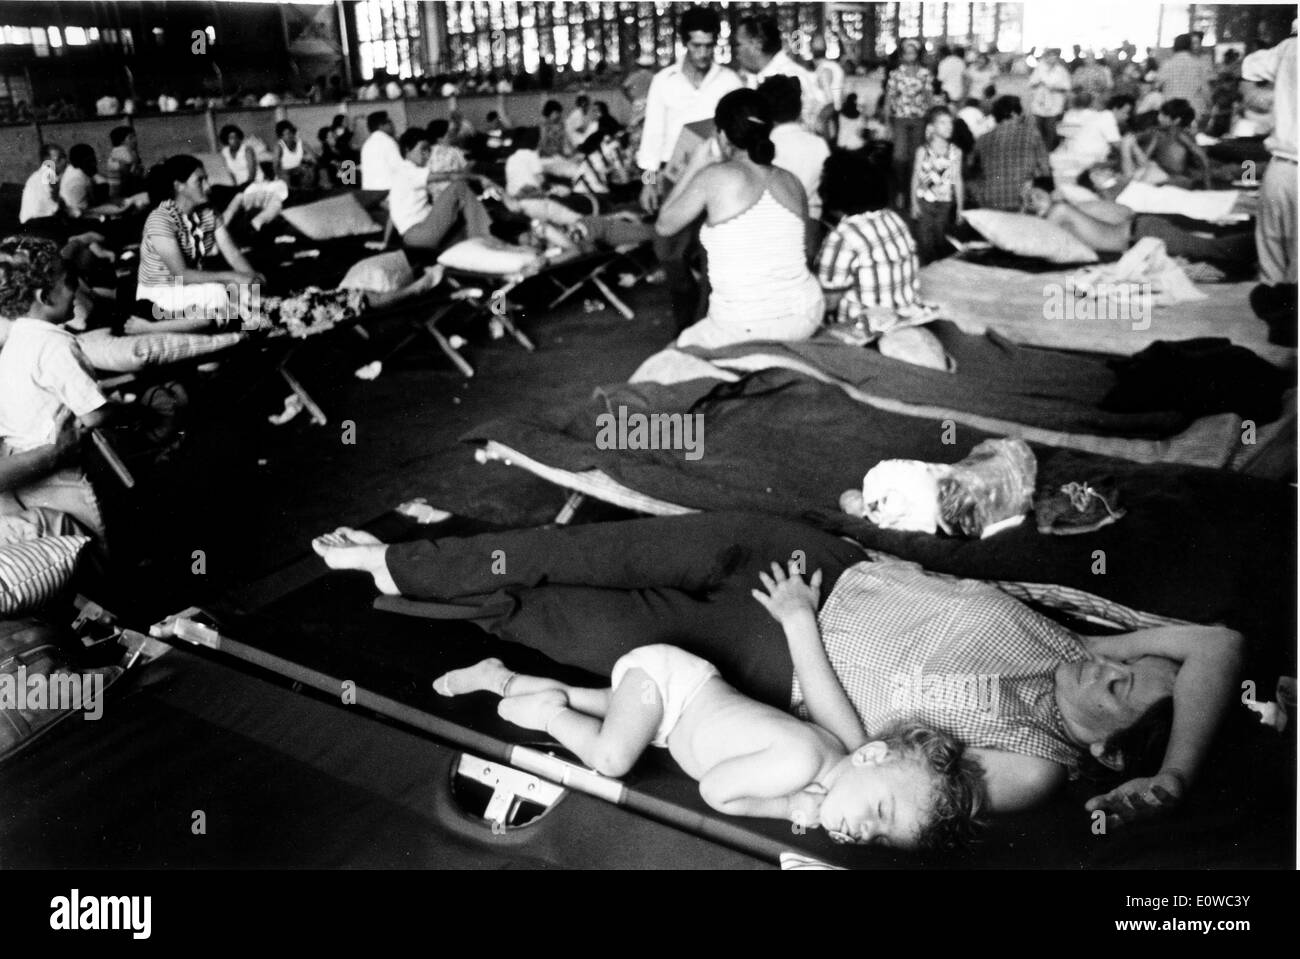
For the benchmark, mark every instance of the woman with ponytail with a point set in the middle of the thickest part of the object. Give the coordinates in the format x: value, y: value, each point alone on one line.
x: 753, y: 233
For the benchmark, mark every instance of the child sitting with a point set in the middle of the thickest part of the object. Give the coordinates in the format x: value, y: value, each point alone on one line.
x: 45, y: 378
x: 912, y: 788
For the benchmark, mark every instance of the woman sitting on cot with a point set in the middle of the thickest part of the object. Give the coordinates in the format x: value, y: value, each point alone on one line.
x: 196, y: 280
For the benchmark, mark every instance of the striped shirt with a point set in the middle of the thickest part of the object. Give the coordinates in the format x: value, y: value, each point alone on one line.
x: 195, y: 234
x: 871, y: 259
x: 955, y: 654
x: 1009, y: 156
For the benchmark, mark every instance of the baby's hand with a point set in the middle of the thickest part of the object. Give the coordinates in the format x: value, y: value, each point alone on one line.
x: 788, y: 596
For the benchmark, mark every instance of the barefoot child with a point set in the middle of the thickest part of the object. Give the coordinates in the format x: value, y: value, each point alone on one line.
x: 912, y: 788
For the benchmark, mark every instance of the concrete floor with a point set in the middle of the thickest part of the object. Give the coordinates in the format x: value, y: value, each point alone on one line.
x: 251, y: 495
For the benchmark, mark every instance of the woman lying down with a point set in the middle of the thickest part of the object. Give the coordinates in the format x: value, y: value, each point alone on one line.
x: 857, y: 649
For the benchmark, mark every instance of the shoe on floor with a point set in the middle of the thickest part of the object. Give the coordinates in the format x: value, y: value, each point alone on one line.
x: 1078, y: 508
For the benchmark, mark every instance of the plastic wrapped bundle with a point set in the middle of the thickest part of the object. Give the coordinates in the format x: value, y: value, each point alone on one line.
x: 990, y: 490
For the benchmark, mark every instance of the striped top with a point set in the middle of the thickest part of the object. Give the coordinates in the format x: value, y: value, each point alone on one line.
x: 871, y: 259
x: 195, y: 234
x: 754, y: 258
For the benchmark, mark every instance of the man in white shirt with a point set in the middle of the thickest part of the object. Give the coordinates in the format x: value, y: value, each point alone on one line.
x: 1088, y: 135
x: 77, y: 184
x: 425, y: 222
x: 1049, y: 86
x: 41, y: 191
x: 107, y: 106
x: 952, y: 74
x: 683, y: 93
x: 802, y: 153
x: 830, y: 75
x: 761, y: 54
x: 380, y: 156
x: 1275, y: 226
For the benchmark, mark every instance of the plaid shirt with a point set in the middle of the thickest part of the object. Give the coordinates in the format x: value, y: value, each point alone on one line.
x: 871, y: 259
x: 1009, y: 156
x: 1187, y: 77
x: 958, y: 655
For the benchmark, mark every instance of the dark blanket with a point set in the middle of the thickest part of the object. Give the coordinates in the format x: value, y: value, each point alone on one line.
x: 1196, y: 544
x: 994, y: 377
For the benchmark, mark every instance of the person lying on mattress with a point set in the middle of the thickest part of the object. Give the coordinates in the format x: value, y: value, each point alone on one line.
x: 1035, y: 702
x: 1110, y: 227
x: 911, y: 787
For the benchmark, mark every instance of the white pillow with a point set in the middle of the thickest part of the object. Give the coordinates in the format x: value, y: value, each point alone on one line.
x: 33, y: 573
x: 479, y: 256
x: 1029, y: 236
x: 385, y: 273
x: 916, y: 345
x: 129, y: 354
x: 331, y: 218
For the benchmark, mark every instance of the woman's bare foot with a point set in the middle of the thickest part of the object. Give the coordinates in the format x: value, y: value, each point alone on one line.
x: 534, y: 710
x: 347, y: 548
x: 489, y: 676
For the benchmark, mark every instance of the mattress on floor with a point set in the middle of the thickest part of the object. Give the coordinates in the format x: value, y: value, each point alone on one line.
x: 1011, y: 301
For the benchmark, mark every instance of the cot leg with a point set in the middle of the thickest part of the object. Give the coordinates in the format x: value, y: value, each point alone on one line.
x: 445, y: 345
x: 571, y: 505
x: 501, y: 310
x: 317, y: 414
x: 614, y: 301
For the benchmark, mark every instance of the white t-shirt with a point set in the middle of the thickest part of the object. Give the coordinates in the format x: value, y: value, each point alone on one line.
x: 977, y: 122
x: 804, y: 154
x: 1087, y: 136
x: 39, y: 195
x: 108, y: 106
x: 524, y: 170
x: 77, y: 190
x: 380, y: 160
x: 42, y: 372
x: 952, y: 77
x: 408, y: 197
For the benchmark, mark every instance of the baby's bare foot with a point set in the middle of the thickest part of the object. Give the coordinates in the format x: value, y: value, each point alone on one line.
x: 490, y: 676
x: 347, y: 548
x: 534, y: 710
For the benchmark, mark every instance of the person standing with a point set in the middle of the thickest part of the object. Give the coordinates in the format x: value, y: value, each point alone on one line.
x: 1049, y: 86
x: 1186, y: 76
x: 685, y: 92
x: 936, y: 185
x: 952, y: 74
x: 908, y: 95
x: 830, y: 75
x: 1275, y: 227
x: 760, y: 52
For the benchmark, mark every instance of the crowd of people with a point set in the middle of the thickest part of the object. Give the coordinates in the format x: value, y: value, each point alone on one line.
x: 774, y: 198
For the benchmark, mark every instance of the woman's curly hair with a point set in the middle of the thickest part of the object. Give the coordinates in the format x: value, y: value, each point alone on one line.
x: 28, y: 266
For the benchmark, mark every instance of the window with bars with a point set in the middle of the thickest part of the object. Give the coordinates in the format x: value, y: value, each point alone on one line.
x: 984, y: 26
x: 484, y: 37
x: 389, y: 38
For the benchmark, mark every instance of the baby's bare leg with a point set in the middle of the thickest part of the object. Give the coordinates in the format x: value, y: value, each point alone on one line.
x: 610, y: 746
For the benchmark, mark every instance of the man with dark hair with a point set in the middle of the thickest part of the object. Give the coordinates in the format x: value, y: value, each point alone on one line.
x: 553, y: 140
x: 380, y: 156
x: 802, y: 153
x: 685, y: 92
x: 1007, y: 157
x: 868, y: 266
x: 760, y: 51
x: 1186, y: 76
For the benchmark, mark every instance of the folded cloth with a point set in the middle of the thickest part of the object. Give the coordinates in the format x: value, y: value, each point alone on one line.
x: 1146, y: 262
